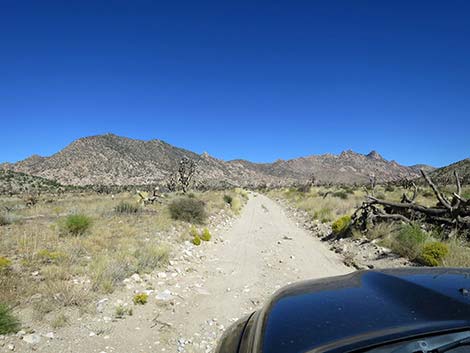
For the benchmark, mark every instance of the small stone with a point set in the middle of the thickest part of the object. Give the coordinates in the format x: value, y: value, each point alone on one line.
x: 136, y: 278
x: 164, y: 296
x: 101, y: 304
x: 36, y: 297
x: 49, y: 335
x: 32, y: 338
x: 11, y: 347
x: 162, y: 275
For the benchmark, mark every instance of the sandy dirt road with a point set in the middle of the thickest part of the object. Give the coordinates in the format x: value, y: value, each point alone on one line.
x: 206, y: 288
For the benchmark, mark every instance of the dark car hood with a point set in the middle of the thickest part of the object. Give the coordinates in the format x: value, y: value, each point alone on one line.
x: 353, y: 311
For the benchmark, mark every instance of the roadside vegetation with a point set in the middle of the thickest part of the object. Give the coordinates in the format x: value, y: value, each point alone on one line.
x: 58, y: 256
x: 423, y: 243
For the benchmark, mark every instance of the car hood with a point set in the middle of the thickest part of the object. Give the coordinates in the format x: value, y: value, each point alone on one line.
x: 339, y: 314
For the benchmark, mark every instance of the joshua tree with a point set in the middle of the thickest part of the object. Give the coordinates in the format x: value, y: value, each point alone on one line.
x: 186, y: 173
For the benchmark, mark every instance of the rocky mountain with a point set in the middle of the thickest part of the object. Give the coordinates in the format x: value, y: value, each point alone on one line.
x: 425, y: 167
x: 110, y: 159
x: 445, y: 175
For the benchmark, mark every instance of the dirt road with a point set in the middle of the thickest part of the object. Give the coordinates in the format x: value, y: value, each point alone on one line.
x: 206, y: 288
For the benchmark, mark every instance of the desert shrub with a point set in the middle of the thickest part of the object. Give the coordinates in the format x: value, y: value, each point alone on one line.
x: 341, y: 225
x: 77, y: 224
x: 305, y: 188
x: 127, y: 207
x: 188, y: 209
x: 343, y: 195
x: 206, y: 235
x: 5, y: 220
x: 433, y: 253
x: 193, y: 231
x: 428, y: 193
x: 380, y: 195
x: 8, y: 322
x: 236, y: 205
x: 228, y: 199
x: 409, y: 241
x: 120, y: 311
x: 60, y: 320
x: 4, y: 264
x: 151, y: 256
x: 242, y: 193
x: 196, y: 240
x: 140, y: 298
x: 466, y: 194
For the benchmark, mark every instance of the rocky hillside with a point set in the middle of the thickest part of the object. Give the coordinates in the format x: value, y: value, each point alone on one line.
x: 110, y: 159
x: 16, y: 183
x: 445, y: 175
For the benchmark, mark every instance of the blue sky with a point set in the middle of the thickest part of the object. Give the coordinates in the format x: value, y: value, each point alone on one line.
x: 259, y: 80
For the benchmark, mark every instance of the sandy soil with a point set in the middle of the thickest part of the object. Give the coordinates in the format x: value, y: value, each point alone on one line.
x: 203, y: 291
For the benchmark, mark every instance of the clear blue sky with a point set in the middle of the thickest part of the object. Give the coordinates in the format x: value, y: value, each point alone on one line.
x: 259, y: 80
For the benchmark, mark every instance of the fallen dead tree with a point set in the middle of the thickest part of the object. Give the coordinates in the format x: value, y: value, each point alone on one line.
x: 450, y: 214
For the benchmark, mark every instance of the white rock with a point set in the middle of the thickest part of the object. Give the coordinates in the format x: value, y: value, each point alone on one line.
x: 136, y: 278
x: 49, y: 335
x: 101, y: 304
x: 164, y: 296
x: 32, y: 338
x: 162, y: 275
x: 11, y: 347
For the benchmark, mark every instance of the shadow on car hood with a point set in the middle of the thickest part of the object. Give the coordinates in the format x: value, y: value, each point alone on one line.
x: 360, y: 309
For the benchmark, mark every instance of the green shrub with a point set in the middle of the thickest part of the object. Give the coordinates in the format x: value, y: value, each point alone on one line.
x: 228, y: 199
x: 127, y: 207
x: 409, y: 241
x: 8, y: 323
x: 4, y: 263
x: 197, y: 240
x: 389, y: 188
x: 140, y: 298
x: 206, y: 235
x: 188, y: 209
x: 341, y: 225
x: 432, y: 254
x: 77, y: 224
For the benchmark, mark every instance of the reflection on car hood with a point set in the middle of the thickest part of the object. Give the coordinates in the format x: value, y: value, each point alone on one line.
x: 353, y: 311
